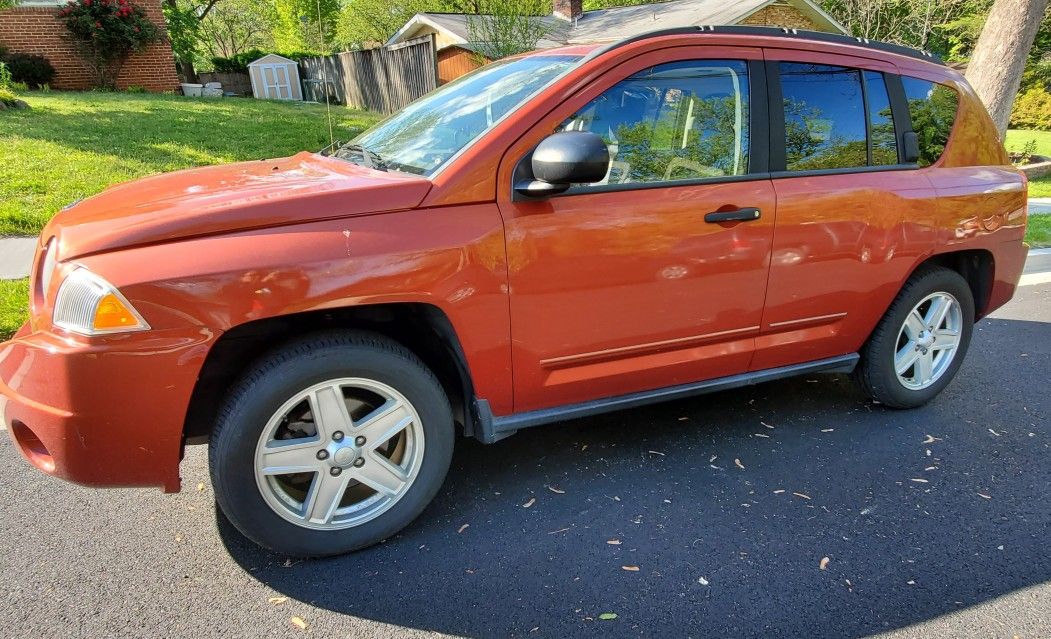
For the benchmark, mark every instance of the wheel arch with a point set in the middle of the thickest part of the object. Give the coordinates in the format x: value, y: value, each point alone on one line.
x: 976, y: 266
x: 422, y: 328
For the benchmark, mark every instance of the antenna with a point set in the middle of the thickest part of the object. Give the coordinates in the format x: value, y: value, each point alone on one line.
x: 324, y: 76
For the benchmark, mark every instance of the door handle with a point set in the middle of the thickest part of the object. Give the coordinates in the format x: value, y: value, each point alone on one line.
x: 740, y: 215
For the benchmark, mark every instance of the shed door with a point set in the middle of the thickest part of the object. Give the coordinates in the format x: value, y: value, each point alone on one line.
x: 276, y: 85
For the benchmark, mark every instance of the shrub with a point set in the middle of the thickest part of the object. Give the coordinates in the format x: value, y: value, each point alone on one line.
x: 5, y: 76
x: 239, y: 63
x: 33, y: 70
x: 105, y: 33
x: 1032, y: 110
x: 135, y: 88
x: 7, y: 97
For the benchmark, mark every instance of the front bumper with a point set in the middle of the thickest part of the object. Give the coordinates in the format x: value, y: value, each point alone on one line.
x: 106, y: 412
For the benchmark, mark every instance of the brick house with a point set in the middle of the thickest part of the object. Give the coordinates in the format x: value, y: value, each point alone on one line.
x: 570, y: 24
x: 32, y: 26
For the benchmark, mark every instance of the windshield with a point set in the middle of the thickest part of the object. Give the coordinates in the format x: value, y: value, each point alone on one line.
x: 425, y: 135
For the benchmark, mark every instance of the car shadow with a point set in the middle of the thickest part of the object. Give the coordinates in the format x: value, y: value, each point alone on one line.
x: 791, y: 508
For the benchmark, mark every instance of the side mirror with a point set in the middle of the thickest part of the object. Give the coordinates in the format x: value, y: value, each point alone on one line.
x: 911, y: 146
x: 562, y: 160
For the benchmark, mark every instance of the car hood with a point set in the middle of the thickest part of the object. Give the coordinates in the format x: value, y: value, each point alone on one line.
x: 232, y: 197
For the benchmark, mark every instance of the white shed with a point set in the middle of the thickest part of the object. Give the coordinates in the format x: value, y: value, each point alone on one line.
x: 275, y: 78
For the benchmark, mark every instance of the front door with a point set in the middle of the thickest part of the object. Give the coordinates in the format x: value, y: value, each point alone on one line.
x: 623, y: 286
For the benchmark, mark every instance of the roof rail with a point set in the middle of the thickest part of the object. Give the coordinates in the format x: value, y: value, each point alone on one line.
x: 777, y: 32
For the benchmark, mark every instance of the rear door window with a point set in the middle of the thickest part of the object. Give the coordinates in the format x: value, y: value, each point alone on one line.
x: 881, y: 121
x: 836, y: 118
x: 824, y: 117
x: 932, y: 108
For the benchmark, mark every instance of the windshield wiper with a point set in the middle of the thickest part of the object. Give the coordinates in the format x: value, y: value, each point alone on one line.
x: 370, y: 159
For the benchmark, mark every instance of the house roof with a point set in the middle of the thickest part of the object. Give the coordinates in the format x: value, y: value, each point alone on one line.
x: 271, y: 58
x: 605, y: 25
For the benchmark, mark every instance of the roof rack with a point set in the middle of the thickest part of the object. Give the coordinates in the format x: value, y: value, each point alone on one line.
x: 779, y: 32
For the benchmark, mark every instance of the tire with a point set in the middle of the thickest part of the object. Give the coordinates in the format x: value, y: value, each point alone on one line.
x: 263, y: 429
x: 891, y: 342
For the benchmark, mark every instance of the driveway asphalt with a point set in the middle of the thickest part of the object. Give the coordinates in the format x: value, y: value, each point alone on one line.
x: 794, y: 508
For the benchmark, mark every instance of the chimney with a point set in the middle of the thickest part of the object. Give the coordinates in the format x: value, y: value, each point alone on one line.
x: 569, y: 9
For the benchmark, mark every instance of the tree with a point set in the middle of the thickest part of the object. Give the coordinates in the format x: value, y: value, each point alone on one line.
x: 507, y: 27
x: 305, y: 25
x: 236, y: 26
x: 995, y: 70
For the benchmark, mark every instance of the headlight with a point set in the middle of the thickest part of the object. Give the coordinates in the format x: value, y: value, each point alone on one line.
x: 89, y: 305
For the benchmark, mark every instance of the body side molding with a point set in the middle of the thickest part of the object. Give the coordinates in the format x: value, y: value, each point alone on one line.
x: 491, y: 429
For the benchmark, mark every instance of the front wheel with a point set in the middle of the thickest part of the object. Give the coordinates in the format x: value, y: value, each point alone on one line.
x: 331, y: 444
x: 920, y: 343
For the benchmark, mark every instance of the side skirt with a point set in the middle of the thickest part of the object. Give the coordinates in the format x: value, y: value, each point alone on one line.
x: 492, y: 429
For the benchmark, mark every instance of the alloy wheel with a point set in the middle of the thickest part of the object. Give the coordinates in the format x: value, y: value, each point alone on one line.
x: 339, y: 454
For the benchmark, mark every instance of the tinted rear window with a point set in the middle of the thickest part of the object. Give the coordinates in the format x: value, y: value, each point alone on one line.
x: 932, y: 107
x: 824, y: 117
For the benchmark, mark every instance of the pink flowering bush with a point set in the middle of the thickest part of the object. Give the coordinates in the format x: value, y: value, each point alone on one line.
x: 105, y: 33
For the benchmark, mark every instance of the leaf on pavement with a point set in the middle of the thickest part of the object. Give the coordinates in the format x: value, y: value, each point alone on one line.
x: 462, y: 528
x: 824, y: 563
x: 767, y: 425
x: 737, y: 462
x: 702, y: 581
x: 613, y: 542
x: 984, y: 496
x: 630, y: 568
x: 919, y: 480
x: 779, y: 491
x: 298, y: 623
x: 931, y: 439
x: 655, y: 452
x: 529, y: 504
x: 557, y: 491
x: 608, y: 616
x: 277, y: 601
x: 827, y: 430
x: 200, y: 486
x: 803, y: 495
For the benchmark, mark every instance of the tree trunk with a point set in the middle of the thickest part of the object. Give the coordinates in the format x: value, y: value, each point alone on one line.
x: 186, y: 71
x: 995, y: 69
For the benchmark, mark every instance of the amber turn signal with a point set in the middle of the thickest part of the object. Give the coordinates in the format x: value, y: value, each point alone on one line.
x: 112, y: 313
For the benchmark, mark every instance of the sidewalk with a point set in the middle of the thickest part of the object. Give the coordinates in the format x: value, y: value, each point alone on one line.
x: 1040, y: 206
x: 16, y: 253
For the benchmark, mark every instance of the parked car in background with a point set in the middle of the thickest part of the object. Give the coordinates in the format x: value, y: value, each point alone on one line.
x: 555, y: 235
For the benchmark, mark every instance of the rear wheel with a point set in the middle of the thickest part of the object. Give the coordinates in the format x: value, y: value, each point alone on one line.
x: 920, y: 343
x: 331, y: 444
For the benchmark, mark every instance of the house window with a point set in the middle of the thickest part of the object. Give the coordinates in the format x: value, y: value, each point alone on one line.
x: 677, y: 121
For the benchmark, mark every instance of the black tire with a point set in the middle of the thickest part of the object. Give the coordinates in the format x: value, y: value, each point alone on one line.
x: 876, y: 372
x: 279, y: 376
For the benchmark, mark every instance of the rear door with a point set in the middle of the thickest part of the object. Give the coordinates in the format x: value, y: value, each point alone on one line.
x: 849, y: 208
x: 623, y: 286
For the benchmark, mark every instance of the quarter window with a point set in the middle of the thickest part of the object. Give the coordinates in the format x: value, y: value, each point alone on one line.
x: 932, y: 108
x: 677, y: 121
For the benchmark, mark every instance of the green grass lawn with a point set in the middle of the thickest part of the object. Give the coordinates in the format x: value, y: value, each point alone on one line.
x: 72, y: 145
x: 1038, y: 233
x: 14, y: 303
x: 1016, y: 140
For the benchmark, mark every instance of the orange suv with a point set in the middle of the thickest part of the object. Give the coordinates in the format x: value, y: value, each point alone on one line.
x: 555, y: 235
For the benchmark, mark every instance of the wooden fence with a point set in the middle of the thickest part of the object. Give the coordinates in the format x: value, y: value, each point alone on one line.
x: 238, y: 83
x: 383, y: 79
